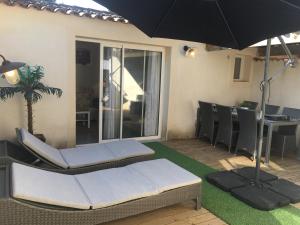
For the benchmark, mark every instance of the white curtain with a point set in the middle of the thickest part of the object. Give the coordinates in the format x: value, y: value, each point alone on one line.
x: 152, y: 93
x: 111, y: 94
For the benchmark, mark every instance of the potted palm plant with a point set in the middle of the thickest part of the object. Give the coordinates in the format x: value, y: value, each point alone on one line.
x: 31, y: 87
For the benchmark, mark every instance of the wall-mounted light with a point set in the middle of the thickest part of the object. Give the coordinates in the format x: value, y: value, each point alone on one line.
x: 189, y: 51
x: 9, y: 70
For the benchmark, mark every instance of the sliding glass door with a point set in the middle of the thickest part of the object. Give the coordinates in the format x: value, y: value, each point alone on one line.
x: 153, y: 65
x: 87, y: 92
x: 111, y: 93
x: 127, y: 89
x: 141, y: 78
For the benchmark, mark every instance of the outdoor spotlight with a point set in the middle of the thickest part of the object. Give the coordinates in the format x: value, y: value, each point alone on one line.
x: 189, y: 51
x: 9, y: 70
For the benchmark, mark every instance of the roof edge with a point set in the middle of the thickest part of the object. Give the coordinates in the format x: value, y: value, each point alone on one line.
x: 43, y: 5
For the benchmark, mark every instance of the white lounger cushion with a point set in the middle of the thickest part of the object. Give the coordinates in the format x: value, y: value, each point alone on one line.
x: 47, y: 187
x: 87, y: 155
x: 165, y: 174
x: 128, y: 148
x: 114, y: 186
x: 46, y: 151
x: 101, y: 188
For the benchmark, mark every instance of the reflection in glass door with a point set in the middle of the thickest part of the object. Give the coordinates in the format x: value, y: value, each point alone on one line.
x: 111, y: 92
x: 133, y: 93
x: 141, y: 83
x: 153, y: 61
x: 87, y: 92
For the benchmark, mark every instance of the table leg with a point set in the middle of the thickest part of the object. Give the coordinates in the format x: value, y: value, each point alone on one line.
x: 268, y: 144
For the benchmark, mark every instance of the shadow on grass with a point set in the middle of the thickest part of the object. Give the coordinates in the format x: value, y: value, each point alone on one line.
x: 221, y: 203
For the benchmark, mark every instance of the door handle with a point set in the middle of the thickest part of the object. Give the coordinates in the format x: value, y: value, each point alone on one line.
x: 105, y: 99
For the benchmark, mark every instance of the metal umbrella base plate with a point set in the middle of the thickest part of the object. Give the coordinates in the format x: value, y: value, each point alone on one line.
x: 269, y: 194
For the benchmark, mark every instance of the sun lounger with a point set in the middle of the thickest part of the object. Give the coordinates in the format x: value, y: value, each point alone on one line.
x: 30, y: 195
x: 86, y: 158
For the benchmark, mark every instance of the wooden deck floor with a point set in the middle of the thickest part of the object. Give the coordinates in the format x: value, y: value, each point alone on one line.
x: 184, y: 214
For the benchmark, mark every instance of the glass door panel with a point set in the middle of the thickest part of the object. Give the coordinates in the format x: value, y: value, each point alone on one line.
x: 87, y: 92
x: 152, y: 93
x: 141, y: 91
x: 133, y: 92
x: 111, y: 92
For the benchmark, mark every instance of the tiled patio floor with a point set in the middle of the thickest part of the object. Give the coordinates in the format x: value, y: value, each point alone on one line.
x: 184, y: 214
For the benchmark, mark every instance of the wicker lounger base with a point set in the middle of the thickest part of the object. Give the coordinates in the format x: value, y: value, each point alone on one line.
x: 23, y: 154
x: 14, y: 212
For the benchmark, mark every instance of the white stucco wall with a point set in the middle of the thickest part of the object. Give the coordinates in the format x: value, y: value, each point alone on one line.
x: 285, y: 89
x: 206, y: 77
x: 48, y: 39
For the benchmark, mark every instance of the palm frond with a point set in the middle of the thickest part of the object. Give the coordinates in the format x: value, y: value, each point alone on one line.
x: 49, y: 90
x: 36, y: 97
x: 30, y: 75
x: 8, y: 92
x: 30, y: 85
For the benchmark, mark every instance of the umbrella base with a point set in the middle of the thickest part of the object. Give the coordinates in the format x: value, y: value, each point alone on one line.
x: 249, y: 173
x: 269, y: 194
x: 226, y: 180
x: 260, y: 197
x: 286, y: 189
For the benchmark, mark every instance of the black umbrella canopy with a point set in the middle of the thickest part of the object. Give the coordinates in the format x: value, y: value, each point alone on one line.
x: 228, y: 23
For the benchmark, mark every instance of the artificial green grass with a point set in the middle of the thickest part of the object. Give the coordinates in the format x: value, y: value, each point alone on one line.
x: 221, y: 203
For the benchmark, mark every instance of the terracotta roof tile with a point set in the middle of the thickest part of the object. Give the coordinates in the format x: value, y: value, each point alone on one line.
x: 66, y: 9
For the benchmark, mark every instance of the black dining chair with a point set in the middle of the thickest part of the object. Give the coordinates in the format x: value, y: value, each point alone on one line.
x: 284, y: 139
x: 247, y: 137
x: 249, y: 104
x: 227, y: 132
x: 207, y: 118
x: 272, y: 109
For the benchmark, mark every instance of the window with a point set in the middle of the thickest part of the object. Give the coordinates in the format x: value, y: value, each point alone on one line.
x: 241, y: 68
x: 237, y: 68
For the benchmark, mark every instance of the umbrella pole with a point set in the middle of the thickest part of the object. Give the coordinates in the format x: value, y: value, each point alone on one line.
x: 262, y: 112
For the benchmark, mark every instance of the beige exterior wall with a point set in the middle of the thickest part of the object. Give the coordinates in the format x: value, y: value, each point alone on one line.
x: 48, y: 39
x: 207, y: 77
x: 285, y: 90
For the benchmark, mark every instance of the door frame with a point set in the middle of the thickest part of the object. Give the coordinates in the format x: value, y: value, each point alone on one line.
x: 123, y: 46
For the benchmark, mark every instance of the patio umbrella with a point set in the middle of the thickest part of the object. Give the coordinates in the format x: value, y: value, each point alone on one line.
x: 228, y: 23
x: 233, y: 24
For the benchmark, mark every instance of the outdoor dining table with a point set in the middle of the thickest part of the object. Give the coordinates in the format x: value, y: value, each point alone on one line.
x: 272, y: 125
